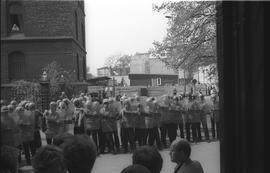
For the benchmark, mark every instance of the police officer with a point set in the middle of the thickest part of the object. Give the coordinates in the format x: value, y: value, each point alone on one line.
x: 128, y: 117
x: 215, y: 117
x: 108, y: 125
x: 92, y: 120
x: 156, y: 117
x: 164, y: 119
x: 195, y: 120
x: 52, y: 121
x: 140, y: 128
x: 180, y: 116
x: 204, y: 111
x: 174, y: 113
x: 27, y: 126
x: 78, y: 117
x: 115, y: 110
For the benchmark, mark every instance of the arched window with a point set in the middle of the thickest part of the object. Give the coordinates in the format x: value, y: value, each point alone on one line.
x: 15, y: 17
x: 16, y: 65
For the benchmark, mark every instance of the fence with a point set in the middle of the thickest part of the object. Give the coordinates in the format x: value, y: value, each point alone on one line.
x: 9, y: 92
x: 159, y: 90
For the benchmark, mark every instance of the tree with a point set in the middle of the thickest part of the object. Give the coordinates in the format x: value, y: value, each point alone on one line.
x: 191, y: 37
x: 119, y: 64
x: 60, y: 80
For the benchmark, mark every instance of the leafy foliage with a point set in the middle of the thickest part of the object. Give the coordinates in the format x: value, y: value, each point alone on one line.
x: 60, y: 80
x: 191, y: 37
x: 119, y: 64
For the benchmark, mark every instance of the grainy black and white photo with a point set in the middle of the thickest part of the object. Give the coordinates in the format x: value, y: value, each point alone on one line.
x: 132, y: 86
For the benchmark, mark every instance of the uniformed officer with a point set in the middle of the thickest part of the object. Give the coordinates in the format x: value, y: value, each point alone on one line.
x: 27, y: 126
x: 174, y: 113
x: 140, y: 128
x: 78, y: 117
x: 156, y: 117
x: 52, y: 121
x: 108, y: 125
x: 128, y: 117
x: 195, y: 120
x: 215, y: 117
x: 204, y: 111
x: 92, y: 120
x: 164, y: 119
x: 115, y: 110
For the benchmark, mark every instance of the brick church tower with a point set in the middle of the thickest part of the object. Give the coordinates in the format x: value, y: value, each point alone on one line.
x: 35, y: 33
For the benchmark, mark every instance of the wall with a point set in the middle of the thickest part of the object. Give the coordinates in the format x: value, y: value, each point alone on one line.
x: 40, y: 53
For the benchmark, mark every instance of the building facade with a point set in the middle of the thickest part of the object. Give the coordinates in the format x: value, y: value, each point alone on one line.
x: 152, y: 79
x: 36, y: 33
x: 148, y: 71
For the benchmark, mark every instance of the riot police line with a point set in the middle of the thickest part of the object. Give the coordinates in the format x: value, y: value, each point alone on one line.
x: 115, y: 124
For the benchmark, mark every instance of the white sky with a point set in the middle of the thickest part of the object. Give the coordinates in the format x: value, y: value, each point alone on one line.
x: 120, y: 26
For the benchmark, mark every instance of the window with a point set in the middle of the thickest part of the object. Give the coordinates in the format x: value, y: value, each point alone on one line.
x: 158, y: 81
x: 76, y: 25
x: 78, y: 67
x: 15, y: 18
x: 16, y: 66
x: 83, y: 35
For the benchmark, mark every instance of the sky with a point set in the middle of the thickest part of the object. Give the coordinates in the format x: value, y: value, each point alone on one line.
x: 121, y: 26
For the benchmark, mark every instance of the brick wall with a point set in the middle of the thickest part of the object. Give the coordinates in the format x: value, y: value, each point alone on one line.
x: 49, y: 27
x: 39, y: 54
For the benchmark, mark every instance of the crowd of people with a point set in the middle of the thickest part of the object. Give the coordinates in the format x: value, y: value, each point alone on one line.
x: 120, y: 124
x: 78, y: 153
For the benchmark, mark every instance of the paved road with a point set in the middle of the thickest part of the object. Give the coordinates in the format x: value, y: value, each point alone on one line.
x: 207, y: 153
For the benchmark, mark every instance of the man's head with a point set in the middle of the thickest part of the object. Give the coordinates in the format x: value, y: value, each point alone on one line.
x: 135, y: 169
x: 180, y: 151
x: 9, y: 159
x: 53, y: 106
x: 4, y: 110
x: 49, y: 159
x: 148, y: 157
x: 80, y: 154
x: 59, y: 139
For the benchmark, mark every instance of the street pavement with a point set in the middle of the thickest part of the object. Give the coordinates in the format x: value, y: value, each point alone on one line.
x: 206, y: 153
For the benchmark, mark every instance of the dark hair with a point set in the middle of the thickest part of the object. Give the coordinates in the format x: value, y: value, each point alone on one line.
x: 135, y: 169
x: 183, y: 145
x: 148, y: 157
x: 61, y: 138
x: 9, y: 159
x: 49, y: 159
x: 80, y: 154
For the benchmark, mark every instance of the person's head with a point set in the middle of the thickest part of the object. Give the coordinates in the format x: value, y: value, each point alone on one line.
x: 135, y: 169
x: 9, y: 159
x: 106, y: 103
x: 2, y: 102
x: 49, y: 159
x: 126, y: 104
x: 11, y: 108
x: 148, y: 157
x: 14, y: 103
x: 77, y: 103
x: 32, y: 106
x: 4, y: 110
x: 53, y: 106
x: 19, y: 111
x: 180, y: 151
x: 59, y: 139
x: 80, y: 154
